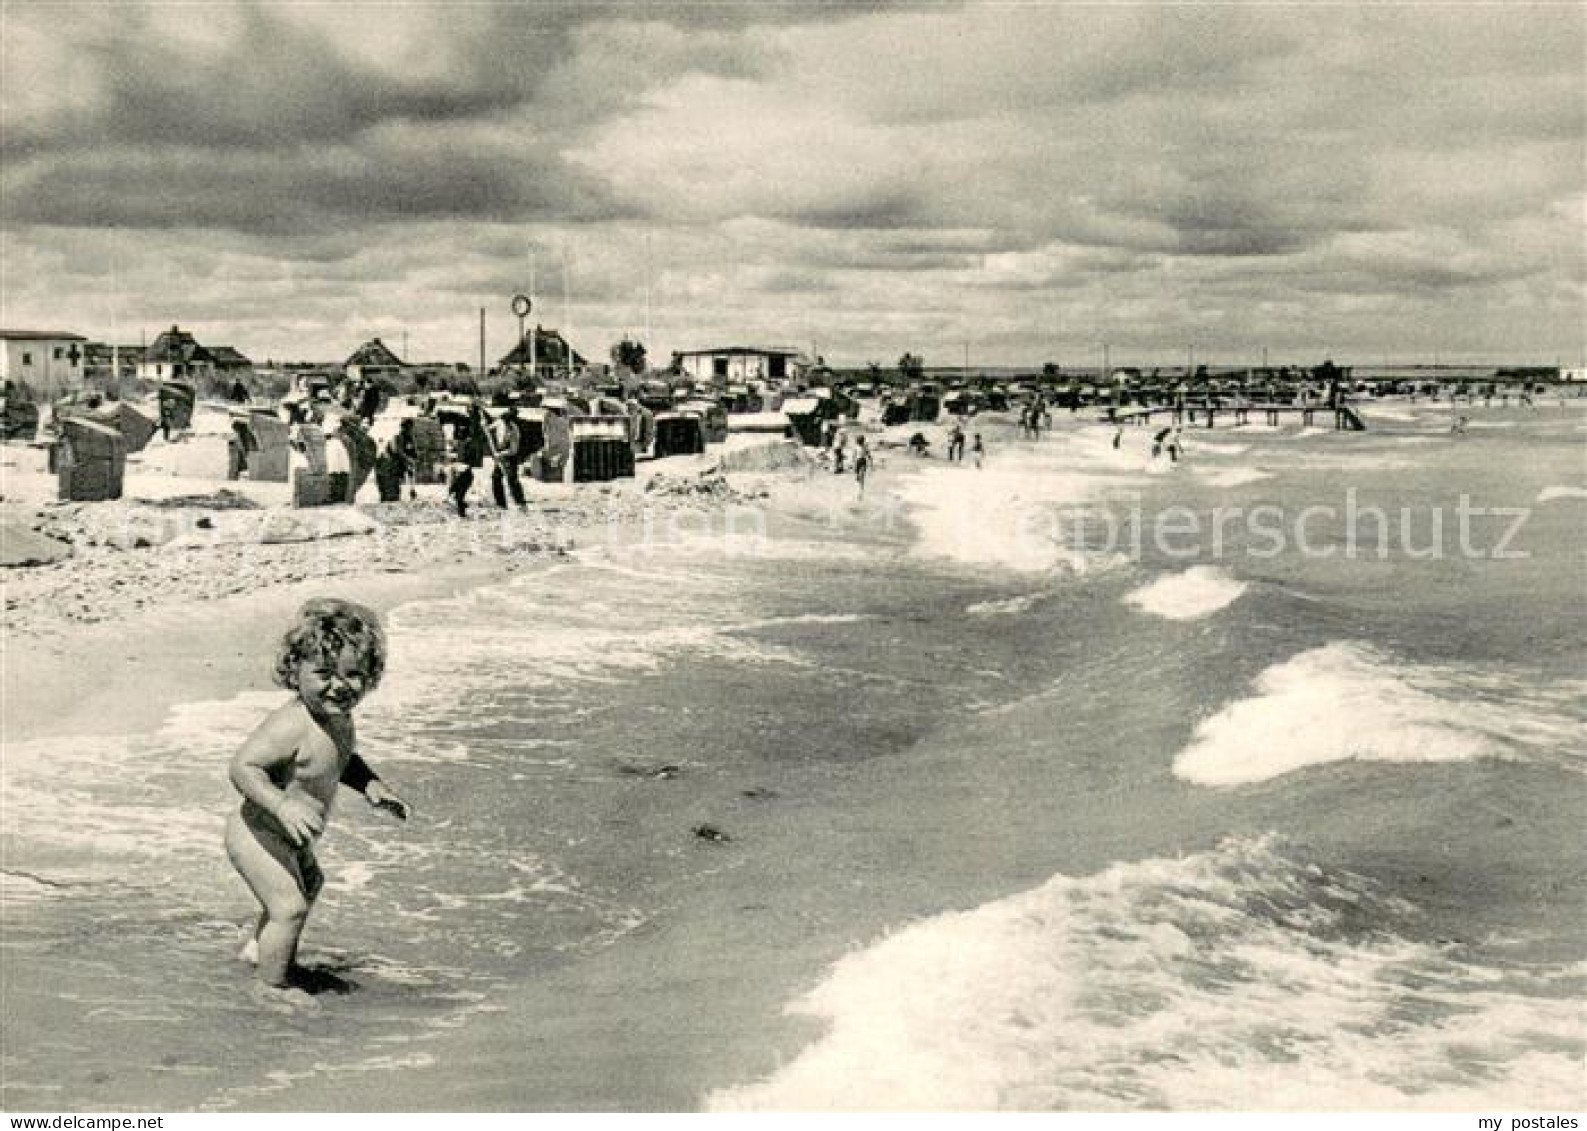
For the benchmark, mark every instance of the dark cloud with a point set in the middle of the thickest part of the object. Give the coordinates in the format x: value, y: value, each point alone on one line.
x: 312, y: 191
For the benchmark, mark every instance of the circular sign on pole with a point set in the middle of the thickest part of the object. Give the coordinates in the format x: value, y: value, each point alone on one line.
x: 521, y: 306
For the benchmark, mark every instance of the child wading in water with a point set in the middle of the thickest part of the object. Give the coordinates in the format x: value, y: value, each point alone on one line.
x: 288, y: 770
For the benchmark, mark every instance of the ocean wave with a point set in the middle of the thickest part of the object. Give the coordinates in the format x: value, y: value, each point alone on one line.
x: 1006, y: 516
x: 1238, y: 978
x: 1231, y: 476
x: 530, y: 636
x: 1008, y: 607
x: 1549, y: 494
x: 1347, y: 701
x: 1197, y: 592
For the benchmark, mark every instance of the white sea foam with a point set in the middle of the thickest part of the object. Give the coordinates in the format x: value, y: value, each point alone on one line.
x: 808, y: 618
x: 1197, y: 592
x: 1238, y: 978
x: 1231, y: 476
x: 1002, y: 516
x: 1008, y: 607
x: 1379, y: 412
x: 528, y: 635
x: 1346, y: 701
x: 1549, y: 494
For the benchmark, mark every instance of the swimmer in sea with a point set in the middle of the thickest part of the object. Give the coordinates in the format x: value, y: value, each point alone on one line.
x: 288, y: 771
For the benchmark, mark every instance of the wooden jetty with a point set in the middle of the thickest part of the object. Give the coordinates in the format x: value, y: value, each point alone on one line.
x: 1345, y: 418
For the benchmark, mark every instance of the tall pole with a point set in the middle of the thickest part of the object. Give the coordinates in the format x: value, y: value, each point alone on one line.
x: 481, y: 343
x: 115, y: 318
x: 1106, y: 369
x: 648, y: 343
x: 534, y: 360
x: 567, y: 322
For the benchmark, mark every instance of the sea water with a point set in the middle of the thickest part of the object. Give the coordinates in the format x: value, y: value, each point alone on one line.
x: 1077, y: 822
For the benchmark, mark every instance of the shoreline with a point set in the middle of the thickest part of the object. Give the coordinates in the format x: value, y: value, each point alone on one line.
x: 188, y: 623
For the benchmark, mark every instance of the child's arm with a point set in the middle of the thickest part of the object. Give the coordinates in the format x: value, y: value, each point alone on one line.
x: 275, y: 744
x: 359, y: 776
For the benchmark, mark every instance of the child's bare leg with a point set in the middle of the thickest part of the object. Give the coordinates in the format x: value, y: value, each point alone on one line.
x: 271, y: 869
x: 250, y: 948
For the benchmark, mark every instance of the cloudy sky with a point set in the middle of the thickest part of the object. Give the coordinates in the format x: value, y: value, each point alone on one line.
x: 1022, y: 180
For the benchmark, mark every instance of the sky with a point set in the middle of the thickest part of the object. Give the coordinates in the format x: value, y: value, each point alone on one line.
x: 1003, y: 183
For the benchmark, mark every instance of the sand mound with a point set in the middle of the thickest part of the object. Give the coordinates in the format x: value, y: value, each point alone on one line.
x: 777, y: 455
x: 707, y: 485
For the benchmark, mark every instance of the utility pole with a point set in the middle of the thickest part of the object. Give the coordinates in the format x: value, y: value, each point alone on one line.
x: 567, y: 322
x: 481, y: 344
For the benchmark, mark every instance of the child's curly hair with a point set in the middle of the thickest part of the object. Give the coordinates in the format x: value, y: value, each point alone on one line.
x: 325, y: 628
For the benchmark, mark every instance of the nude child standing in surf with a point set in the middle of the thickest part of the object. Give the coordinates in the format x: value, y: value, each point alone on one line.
x: 288, y: 771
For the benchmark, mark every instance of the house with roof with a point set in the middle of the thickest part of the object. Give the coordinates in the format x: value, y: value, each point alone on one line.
x: 50, y: 362
x: 737, y: 364
x: 374, y: 360
x: 177, y: 354
x: 545, y: 354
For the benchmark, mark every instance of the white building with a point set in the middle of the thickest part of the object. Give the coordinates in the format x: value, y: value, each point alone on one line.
x: 737, y: 364
x: 49, y: 361
x: 176, y: 354
x: 1573, y: 374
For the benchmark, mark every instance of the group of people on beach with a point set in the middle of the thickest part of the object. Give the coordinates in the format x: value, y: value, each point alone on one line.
x: 473, y: 439
x: 1033, y: 417
x: 835, y: 439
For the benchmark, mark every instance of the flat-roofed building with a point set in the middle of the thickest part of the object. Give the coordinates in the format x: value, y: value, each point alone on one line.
x: 49, y: 362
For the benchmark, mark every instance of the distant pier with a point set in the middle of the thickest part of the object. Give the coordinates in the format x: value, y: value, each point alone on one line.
x: 1345, y: 418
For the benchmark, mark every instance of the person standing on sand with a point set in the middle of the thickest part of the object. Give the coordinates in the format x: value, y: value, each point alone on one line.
x: 506, y: 438
x: 956, y: 443
x: 978, y: 451
x: 468, y: 438
x: 288, y: 770
x: 862, y: 462
x: 406, y: 447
